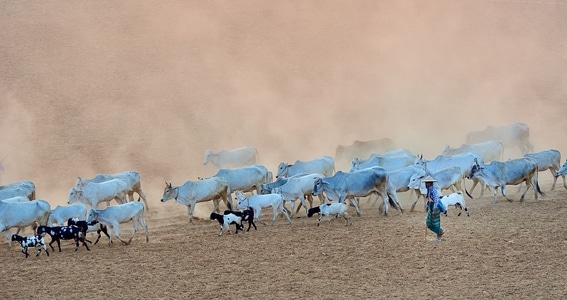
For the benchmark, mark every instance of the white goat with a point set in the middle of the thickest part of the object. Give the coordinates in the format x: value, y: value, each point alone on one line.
x: 22, y: 214
x: 328, y: 209
x: 60, y: 214
x: 455, y: 199
x: 257, y: 202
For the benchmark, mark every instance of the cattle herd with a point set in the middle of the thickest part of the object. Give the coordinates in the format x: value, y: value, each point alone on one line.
x: 245, y: 187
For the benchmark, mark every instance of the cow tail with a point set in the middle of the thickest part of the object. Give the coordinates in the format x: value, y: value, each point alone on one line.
x: 468, y: 194
x: 538, y: 189
x: 392, y: 202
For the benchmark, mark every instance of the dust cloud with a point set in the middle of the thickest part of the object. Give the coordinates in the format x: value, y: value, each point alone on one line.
x: 105, y: 86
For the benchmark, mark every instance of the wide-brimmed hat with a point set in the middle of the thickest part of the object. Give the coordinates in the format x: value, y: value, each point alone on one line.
x: 429, y: 179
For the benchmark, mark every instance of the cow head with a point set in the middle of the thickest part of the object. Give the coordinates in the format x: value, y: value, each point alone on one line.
x: 93, y: 215
x: 282, y: 170
x: 318, y: 186
x: 74, y: 195
x: 169, y: 192
x: 476, y: 168
x: 208, y: 155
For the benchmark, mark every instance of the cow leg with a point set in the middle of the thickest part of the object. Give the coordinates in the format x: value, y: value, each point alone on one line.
x: 394, y: 196
x: 347, y: 218
x: 141, y: 194
x: 275, y: 211
x: 190, y: 209
x: 503, y: 190
x: 322, y: 197
x: 142, y: 223
x: 354, y: 203
x: 554, y: 173
x: 284, y: 212
x: 134, y: 230
x: 292, y: 208
x: 418, y: 194
x: 302, y: 203
x: 9, y: 238
x: 116, y: 232
x: 528, y: 184
x: 257, y: 215
x: 385, y: 200
x: 216, y: 203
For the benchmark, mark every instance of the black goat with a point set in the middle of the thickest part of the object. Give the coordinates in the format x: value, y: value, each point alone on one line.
x: 91, y: 226
x: 31, y: 241
x: 246, y: 215
x: 64, y: 233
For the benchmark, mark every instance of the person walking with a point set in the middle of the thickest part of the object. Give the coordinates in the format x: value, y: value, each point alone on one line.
x: 434, y: 208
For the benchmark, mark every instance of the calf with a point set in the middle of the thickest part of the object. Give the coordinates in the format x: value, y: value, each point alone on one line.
x: 31, y: 241
x: 328, y: 209
x: 246, y: 215
x: 58, y: 233
x: 226, y: 220
x: 91, y: 226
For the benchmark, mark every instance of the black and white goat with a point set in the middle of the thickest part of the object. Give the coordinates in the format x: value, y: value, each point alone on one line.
x: 328, y: 209
x: 58, y: 233
x: 455, y: 199
x: 91, y: 226
x: 31, y: 241
x: 245, y: 215
x: 226, y: 220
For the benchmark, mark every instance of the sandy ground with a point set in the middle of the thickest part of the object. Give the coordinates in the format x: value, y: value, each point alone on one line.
x: 503, y: 251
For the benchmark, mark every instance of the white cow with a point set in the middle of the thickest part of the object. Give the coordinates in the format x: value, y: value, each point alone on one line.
x: 246, y: 179
x: 132, y: 179
x: 489, y: 150
x: 447, y: 178
x: 517, y: 134
x: 465, y: 161
x: 226, y: 159
x: 61, y: 214
x: 389, y: 162
x: 512, y: 172
x: 22, y: 214
x: 548, y: 160
x: 363, y: 149
x: 297, y: 188
x: 114, y: 215
x: 324, y: 165
x: 348, y: 185
x: 24, y: 188
x: 96, y: 192
x: 193, y: 192
x: 257, y: 202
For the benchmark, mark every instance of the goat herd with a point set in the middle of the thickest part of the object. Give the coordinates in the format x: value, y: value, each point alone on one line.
x: 385, y: 174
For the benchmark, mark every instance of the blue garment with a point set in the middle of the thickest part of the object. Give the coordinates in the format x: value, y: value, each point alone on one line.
x: 433, y: 195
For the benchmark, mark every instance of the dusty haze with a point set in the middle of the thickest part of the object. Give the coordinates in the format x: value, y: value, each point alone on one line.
x: 102, y: 87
